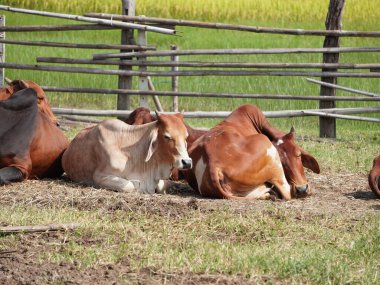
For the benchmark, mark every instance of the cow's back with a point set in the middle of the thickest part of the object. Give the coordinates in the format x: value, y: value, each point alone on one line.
x: 46, y: 149
x: 78, y: 160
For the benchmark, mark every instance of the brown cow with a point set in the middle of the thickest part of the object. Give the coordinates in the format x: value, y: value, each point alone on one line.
x: 248, y: 119
x: 232, y: 166
x: 374, y: 177
x: 17, y: 85
x: 31, y: 144
x: 121, y: 157
x: 139, y: 116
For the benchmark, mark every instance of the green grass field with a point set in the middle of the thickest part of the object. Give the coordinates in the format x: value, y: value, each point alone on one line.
x: 318, y: 249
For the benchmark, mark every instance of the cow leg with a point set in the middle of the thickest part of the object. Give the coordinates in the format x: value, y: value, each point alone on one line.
x: 283, y: 187
x: 163, y: 186
x: 10, y: 174
x: 260, y: 193
x: 116, y: 183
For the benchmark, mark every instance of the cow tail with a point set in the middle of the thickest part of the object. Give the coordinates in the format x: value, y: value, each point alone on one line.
x: 373, y: 181
x: 217, y: 183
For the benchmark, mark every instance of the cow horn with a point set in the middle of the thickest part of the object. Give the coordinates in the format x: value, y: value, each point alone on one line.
x: 157, y: 114
x: 24, y: 84
x: 7, y: 80
x: 292, y: 130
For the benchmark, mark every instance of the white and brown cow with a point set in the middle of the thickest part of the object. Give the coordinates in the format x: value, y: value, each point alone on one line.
x: 121, y: 157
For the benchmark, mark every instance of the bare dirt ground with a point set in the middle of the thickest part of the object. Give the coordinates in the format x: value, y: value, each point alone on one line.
x: 335, y: 193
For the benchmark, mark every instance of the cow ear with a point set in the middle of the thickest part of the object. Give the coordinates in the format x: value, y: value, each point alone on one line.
x: 309, y: 161
x: 23, y: 84
x: 152, y: 145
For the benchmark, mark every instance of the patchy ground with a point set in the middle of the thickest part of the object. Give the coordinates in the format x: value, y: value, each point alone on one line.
x: 335, y: 193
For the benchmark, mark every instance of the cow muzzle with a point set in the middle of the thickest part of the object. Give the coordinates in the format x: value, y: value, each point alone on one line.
x: 302, y: 190
x: 187, y: 163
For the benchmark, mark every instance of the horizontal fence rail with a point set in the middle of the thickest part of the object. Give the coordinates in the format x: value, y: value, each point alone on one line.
x: 241, y: 51
x: 54, y: 28
x: 219, y: 114
x: 111, y: 23
x: 190, y: 72
x: 346, y: 117
x: 78, y: 45
x: 201, y: 64
x: 177, y: 22
x: 343, y: 88
x: 201, y: 94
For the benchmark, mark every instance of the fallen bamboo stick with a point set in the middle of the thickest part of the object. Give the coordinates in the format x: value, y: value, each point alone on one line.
x: 38, y: 228
x: 245, y: 28
x: 343, y: 88
x: 111, y: 23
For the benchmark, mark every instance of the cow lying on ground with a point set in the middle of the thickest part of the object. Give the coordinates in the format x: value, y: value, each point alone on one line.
x: 142, y: 115
x: 248, y: 119
x: 232, y: 166
x: 31, y: 144
x: 374, y: 177
x: 122, y: 157
x: 17, y: 85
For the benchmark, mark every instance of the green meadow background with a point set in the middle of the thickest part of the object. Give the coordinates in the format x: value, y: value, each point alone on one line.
x: 308, y: 14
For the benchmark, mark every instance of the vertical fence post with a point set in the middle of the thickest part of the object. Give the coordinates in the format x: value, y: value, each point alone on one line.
x: 175, y: 58
x: 143, y: 80
x: 125, y: 82
x: 2, y: 51
x: 327, y: 126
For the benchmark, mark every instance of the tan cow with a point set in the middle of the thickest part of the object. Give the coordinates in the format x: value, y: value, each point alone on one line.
x: 121, y: 157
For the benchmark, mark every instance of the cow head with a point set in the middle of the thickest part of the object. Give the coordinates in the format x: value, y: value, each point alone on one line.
x: 170, y: 139
x: 43, y: 105
x: 139, y: 116
x: 293, y: 159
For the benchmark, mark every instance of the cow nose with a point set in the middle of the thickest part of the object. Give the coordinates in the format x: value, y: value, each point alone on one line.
x: 302, y: 189
x: 187, y: 163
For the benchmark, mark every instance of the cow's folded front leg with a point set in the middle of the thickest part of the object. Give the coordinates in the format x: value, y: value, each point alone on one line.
x: 163, y: 186
x: 117, y: 183
x: 10, y: 174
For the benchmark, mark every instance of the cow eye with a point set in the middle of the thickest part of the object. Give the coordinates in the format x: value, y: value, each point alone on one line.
x: 167, y: 137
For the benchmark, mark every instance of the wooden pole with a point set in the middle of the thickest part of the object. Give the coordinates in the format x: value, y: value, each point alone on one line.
x: 220, y: 114
x: 155, y: 97
x: 343, y: 88
x: 72, y: 45
x: 202, y: 64
x: 2, y: 52
x: 53, y: 28
x: 326, y: 50
x: 327, y: 126
x: 127, y: 38
x: 152, y: 92
x: 189, y: 72
x: 357, y: 118
x: 38, y: 228
x: 255, y: 29
x: 111, y: 22
x: 174, y: 58
x: 143, y: 79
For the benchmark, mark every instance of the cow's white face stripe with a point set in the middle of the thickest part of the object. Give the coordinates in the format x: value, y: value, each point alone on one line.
x: 182, y: 154
x: 280, y: 141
